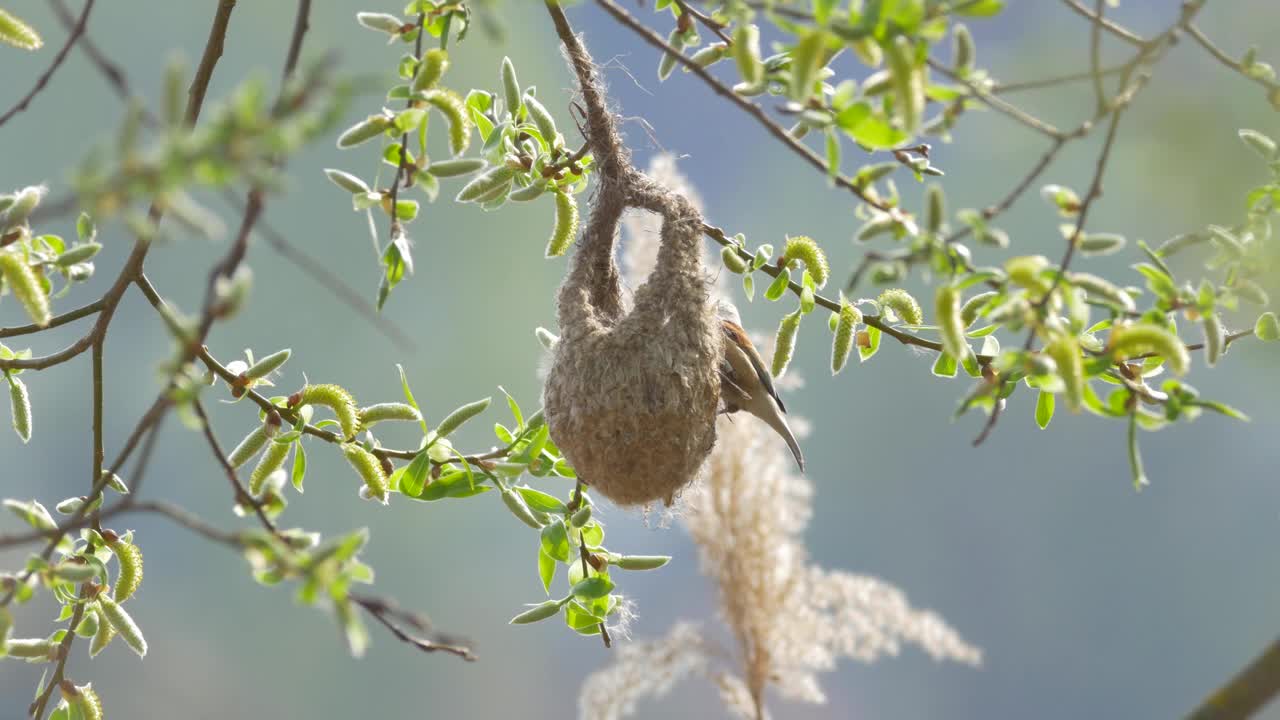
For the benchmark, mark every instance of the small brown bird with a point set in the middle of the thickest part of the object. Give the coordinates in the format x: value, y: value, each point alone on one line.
x: 747, y: 385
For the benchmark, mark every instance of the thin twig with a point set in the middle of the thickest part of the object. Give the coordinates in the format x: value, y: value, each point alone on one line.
x: 63, y: 319
x: 1221, y: 56
x: 1115, y: 29
x: 755, y: 111
x: 242, y: 496
x: 385, y: 612
x: 47, y: 75
x: 712, y: 24
x: 1247, y: 692
x: 36, y: 711
x: 1095, y: 56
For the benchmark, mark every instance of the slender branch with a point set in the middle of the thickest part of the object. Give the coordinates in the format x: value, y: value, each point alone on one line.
x: 1221, y: 56
x: 755, y: 111
x: 114, y: 75
x: 36, y: 711
x: 58, y: 59
x: 1115, y: 29
x: 711, y: 23
x: 241, y: 495
x: 1095, y: 56
x: 63, y: 319
x: 386, y: 612
x: 401, y: 175
x: 98, y: 410
x: 1002, y: 88
x: 998, y: 104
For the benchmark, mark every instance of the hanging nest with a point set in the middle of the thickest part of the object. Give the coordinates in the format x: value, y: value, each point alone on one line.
x: 631, y: 397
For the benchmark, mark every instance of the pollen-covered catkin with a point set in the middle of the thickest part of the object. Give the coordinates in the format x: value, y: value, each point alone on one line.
x: 950, y: 323
x: 271, y: 460
x: 337, y: 399
x: 369, y: 469
x: 903, y: 305
x: 20, y: 404
x: 25, y: 286
x: 130, y: 577
x: 846, y: 325
x: 434, y: 64
x: 806, y: 250
x: 120, y: 620
x: 1141, y: 338
x: 454, y: 110
x: 785, y: 343
x: 1065, y: 352
x: 566, y: 228
x: 103, y: 637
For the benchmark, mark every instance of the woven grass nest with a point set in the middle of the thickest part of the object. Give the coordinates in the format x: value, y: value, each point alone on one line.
x: 631, y: 397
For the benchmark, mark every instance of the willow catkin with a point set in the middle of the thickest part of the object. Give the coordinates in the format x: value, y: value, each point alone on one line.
x: 746, y: 51
x: 369, y: 469
x: 511, y: 87
x: 950, y: 323
x: 806, y: 250
x: 1143, y: 337
x: 123, y: 624
x: 784, y: 343
x: 432, y: 67
x: 248, y: 447
x: 20, y: 406
x: 271, y: 461
x: 902, y: 304
x: 1213, y: 337
x: 566, y: 227
x: 129, y: 579
x: 969, y: 310
x: 541, y: 118
x: 337, y: 399
x: 846, y: 327
x: 25, y: 286
x: 1065, y: 351
x: 454, y: 110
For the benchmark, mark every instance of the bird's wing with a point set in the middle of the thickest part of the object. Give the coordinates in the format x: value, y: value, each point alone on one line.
x: 738, y: 337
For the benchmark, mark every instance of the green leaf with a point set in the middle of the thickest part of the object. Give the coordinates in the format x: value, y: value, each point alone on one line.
x: 944, y: 366
x: 1267, y: 328
x: 806, y: 61
x: 408, y: 396
x: 778, y: 286
x: 593, y: 587
x: 543, y: 611
x: 873, y: 344
x: 415, y: 475
x: 540, y: 501
x: 299, y: 467
x: 1044, y: 409
x: 546, y: 570
x: 555, y: 541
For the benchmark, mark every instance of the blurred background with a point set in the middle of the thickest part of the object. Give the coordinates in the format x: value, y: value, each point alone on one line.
x: 1088, y: 599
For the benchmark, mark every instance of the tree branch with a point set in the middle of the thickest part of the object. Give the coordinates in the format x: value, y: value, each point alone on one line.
x: 47, y: 75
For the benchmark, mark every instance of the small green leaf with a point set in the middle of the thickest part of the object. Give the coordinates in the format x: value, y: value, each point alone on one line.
x: 593, y: 587
x: 540, y: 501
x: 1267, y: 328
x: 1044, y: 409
x: 555, y: 541
x: 415, y: 475
x: 546, y: 570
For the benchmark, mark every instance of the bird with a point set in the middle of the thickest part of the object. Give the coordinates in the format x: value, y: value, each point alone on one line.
x: 745, y: 382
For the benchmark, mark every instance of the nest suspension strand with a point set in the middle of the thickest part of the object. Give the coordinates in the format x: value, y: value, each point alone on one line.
x: 631, y: 397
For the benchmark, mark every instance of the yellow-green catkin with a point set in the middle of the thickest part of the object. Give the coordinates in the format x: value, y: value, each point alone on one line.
x: 950, y: 323
x: 846, y: 332
x: 248, y: 447
x: 511, y: 87
x: 25, y: 286
x: 20, y: 404
x: 102, y: 638
x: 451, y: 105
x: 368, y: 467
x: 746, y: 51
x: 388, y: 411
x: 120, y: 620
x: 434, y: 64
x: 903, y: 305
x: 785, y: 343
x: 541, y: 118
x: 1065, y: 351
x: 1141, y: 338
x: 271, y: 460
x: 908, y: 82
x: 807, y: 251
x: 130, y: 577
x: 337, y: 399
x: 83, y: 698
x: 1213, y: 338
x: 566, y: 227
